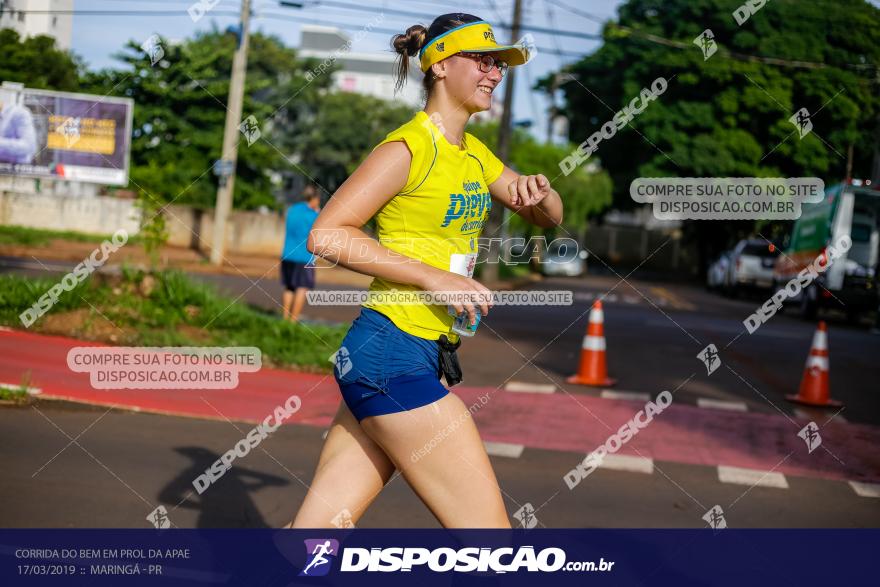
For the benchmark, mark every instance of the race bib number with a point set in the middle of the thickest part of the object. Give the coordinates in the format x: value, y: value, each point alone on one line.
x: 463, y: 263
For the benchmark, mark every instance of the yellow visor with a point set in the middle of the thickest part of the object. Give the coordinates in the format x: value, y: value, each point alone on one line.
x: 472, y: 37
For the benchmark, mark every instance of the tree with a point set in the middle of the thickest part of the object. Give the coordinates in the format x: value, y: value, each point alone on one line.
x: 57, y: 69
x: 343, y: 131
x: 728, y: 115
x: 180, y: 111
x: 583, y: 192
x: 306, y: 129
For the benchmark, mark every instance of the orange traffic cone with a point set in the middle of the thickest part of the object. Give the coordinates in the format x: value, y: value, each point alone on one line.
x: 814, y: 385
x: 591, y: 370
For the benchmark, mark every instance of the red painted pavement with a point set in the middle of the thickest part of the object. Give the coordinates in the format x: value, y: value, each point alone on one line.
x: 559, y: 421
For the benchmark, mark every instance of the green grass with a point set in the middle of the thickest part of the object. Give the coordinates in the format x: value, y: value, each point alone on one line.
x: 19, y: 293
x: 20, y: 235
x: 505, y: 271
x: 18, y: 395
x: 176, y: 312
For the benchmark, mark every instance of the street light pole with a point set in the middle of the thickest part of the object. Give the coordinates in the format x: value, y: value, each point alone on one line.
x: 230, y: 137
x: 499, y: 217
x: 507, y: 115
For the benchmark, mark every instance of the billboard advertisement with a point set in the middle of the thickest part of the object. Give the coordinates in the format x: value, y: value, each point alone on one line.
x: 60, y: 135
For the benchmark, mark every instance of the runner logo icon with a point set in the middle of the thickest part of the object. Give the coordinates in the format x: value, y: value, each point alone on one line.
x: 320, y: 554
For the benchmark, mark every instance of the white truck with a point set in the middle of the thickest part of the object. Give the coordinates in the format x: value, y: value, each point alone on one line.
x: 850, y: 283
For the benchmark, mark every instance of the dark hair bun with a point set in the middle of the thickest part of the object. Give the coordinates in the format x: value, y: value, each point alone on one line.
x: 411, y: 42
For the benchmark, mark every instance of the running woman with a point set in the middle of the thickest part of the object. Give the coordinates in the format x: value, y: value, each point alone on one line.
x: 430, y: 186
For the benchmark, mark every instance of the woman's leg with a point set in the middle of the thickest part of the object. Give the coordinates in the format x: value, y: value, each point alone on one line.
x: 299, y: 300
x: 351, y: 472
x: 439, y: 452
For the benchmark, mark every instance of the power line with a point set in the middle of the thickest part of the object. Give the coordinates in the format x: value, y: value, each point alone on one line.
x: 121, y: 12
x: 552, y: 20
x: 332, y: 3
x: 183, y: 3
x: 258, y: 15
x: 494, y: 8
x: 732, y: 54
x: 375, y: 30
x: 578, y: 12
x: 535, y: 29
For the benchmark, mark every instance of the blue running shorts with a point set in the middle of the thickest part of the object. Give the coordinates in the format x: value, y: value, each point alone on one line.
x: 381, y: 369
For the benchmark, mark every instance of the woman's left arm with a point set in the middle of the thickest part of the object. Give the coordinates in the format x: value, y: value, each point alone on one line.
x: 530, y: 196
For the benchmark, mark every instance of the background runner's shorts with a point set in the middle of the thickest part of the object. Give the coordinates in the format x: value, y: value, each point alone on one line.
x: 381, y: 369
x: 294, y: 275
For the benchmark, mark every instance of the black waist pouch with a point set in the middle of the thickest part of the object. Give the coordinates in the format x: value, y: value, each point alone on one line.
x: 449, y: 361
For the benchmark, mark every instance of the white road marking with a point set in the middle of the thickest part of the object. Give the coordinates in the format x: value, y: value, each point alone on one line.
x: 628, y: 463
x: 522, y: 387
x: 628, y: 395
x: 503, y: 449
x: 705, y: 402
x: 818, y: 415
x: 719, y: 328
x: 582, y: 296
x: 865, y: 489
x: 751, y: 477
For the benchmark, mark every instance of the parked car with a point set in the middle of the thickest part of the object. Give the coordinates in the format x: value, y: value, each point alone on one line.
x: 849, y: 282
x: 564, y: 257
x: 751, y: 266
x: 716, y: 276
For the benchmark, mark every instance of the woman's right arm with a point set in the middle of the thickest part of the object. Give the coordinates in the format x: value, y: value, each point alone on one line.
x: 336, y: 234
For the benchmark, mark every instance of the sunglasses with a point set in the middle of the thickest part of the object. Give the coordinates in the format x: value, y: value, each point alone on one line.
x: 487, y: 62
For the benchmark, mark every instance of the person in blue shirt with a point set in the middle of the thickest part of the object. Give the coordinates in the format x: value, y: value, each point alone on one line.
x: 297, y: 270
x: 18, y: 138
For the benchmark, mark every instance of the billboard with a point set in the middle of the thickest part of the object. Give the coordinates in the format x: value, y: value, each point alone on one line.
x: 60, y: 135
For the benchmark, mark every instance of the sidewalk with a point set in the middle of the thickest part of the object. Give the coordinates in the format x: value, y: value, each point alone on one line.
x: 187, y: 260
x: 557, y: 421
x: 191, y: 261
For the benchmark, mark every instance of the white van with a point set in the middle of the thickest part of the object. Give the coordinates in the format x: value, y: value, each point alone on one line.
x: 850, y: 283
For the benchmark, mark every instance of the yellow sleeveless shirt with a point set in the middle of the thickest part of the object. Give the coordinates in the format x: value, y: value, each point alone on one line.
x: 436, y: 218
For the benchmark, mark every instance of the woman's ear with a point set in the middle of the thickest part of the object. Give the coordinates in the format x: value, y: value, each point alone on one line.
x: 439, y: 69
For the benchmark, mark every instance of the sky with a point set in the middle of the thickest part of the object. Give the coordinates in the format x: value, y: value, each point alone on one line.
x: 97, y: 38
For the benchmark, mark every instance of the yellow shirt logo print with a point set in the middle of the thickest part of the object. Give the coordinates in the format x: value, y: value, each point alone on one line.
x: 468, y: 206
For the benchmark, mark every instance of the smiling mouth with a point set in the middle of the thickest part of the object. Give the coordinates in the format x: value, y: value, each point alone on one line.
x: 485, y: 90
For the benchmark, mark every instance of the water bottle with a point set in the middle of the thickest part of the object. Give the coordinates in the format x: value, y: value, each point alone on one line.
x: 461, y: 325
x: 463, y: 264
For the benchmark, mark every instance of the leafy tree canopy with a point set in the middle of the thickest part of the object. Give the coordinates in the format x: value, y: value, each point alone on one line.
x: 728, y: 115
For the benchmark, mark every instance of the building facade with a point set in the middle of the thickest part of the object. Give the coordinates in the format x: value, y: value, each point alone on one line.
x: 371, y: 74
x: 34, y: 17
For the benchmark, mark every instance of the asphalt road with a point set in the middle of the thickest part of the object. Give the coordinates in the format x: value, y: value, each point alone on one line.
x: 654, y: 331
x: 125, y: 464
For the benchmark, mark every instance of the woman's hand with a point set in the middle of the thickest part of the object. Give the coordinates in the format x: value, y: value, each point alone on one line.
x: 528, y: 190
x: 465, y: 293
x: 529, y: 196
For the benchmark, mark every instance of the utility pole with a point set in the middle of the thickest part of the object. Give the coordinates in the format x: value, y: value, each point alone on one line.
x: 506, y: 115
x: 554, y: 84
x: 230, y: 137
x: 498, y: 215
x: 875, y: 163
x: 849, y: 163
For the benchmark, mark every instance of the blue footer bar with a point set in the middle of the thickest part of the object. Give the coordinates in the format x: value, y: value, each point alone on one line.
x: 438, y: 557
